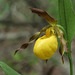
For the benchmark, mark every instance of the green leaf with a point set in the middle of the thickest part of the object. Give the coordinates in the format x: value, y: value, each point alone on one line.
x: 7, y: 69
x: 67, y: 18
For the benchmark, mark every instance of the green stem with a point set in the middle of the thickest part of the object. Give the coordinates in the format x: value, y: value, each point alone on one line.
x: 70, y: 58
x: 71, y: 65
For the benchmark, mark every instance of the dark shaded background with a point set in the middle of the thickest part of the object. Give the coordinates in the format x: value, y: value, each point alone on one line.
x: 17, y: 24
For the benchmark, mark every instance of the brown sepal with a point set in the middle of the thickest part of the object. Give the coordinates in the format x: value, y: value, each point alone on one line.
x: 16, y: 51
x: 61, y: 49
x: 62, y: 59
x: 34, y: 37
x: 45, y: 15
x: 23, y: 46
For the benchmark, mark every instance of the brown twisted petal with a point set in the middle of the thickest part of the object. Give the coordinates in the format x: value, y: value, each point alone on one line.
x: 35, y: 36
x: 45, y: 15
x: 25, y: 45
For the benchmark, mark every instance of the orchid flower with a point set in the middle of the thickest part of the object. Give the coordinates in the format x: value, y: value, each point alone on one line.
x: 46, y: 45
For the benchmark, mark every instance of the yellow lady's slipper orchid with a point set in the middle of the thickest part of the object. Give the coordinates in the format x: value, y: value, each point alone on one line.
x: 46, y: 45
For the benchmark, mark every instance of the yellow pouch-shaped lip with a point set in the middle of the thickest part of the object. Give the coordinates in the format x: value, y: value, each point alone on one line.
x: 45, y: 47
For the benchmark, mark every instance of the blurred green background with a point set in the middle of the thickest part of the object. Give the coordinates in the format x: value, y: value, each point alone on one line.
x: 17, y: 24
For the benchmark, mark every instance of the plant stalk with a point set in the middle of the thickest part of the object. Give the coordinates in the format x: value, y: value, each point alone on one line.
x: 71, y: 65
x: 70, y: 58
